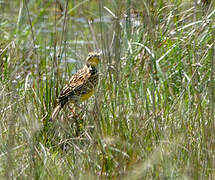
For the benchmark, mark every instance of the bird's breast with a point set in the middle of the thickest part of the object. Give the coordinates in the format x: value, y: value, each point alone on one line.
x: 87, y: 95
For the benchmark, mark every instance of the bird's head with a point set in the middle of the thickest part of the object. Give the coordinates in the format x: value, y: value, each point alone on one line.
x: 93, y: 58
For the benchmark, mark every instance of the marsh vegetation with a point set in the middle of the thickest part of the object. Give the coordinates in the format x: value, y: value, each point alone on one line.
x: 152, y: 116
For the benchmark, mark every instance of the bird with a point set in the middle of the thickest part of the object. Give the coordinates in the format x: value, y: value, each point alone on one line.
x: 81, y: 86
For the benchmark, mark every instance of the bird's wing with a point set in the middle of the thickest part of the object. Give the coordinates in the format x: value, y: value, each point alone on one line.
x: 80, y: 78
x: 76, y: 84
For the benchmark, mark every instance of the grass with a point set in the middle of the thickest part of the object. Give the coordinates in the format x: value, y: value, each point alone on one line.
x: 152, y: 116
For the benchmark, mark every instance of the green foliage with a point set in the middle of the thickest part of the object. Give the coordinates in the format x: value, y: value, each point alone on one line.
x: 152, y: 116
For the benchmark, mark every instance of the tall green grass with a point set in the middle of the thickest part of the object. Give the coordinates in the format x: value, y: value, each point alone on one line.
x: 152, y: 116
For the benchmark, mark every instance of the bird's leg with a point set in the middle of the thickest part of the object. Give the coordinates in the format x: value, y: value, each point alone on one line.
x: 77, y: 119
x: 78, y: 106
x: 85, y: 109
x: 74, y: 114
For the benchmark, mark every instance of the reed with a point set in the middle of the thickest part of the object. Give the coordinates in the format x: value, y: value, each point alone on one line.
x: 152, y: 116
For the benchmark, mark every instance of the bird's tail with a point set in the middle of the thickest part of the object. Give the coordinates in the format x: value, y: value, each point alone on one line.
x: 55, y: 112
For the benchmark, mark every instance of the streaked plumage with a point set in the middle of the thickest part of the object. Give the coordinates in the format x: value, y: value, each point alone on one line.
x: 81, y: 86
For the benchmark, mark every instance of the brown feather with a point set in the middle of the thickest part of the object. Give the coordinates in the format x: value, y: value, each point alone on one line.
x: 80, y: 86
